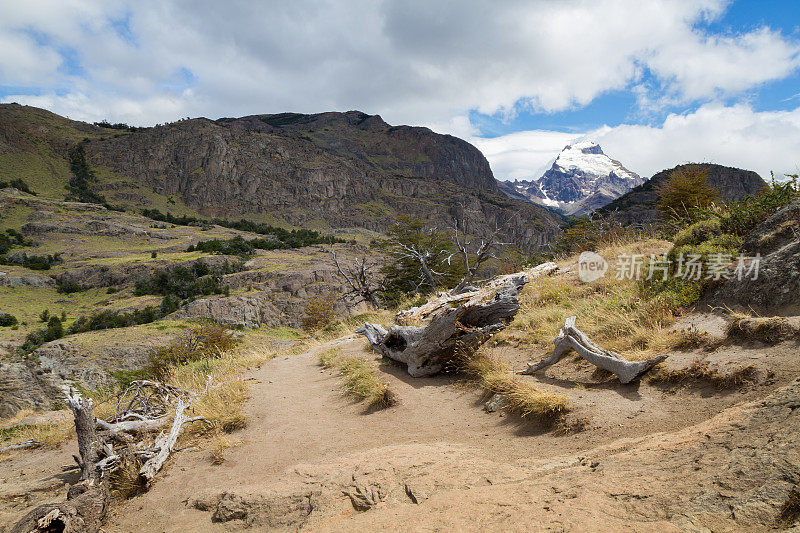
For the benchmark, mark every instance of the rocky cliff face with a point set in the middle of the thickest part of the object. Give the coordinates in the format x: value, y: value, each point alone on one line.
x: 329, y: 169
x: 639, y: 205
x: 348, y: 169
x: 581, y: 180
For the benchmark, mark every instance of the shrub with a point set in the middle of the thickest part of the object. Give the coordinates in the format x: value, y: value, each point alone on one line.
x: 685, y: 189
x: 197, y: 344
x: 44, y: 316
x: 743, y: 216
x: 7, y: 320
x: 54, y: 330
x: 184, y: 282
x: 69, y: 287
x: 319, y: 311
x: 699, y: 232
x: 17, y: 183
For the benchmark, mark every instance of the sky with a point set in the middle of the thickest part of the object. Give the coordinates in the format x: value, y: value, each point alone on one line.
x: 656, y: 82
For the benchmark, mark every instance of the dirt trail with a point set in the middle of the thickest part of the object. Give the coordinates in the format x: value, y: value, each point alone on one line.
x: 311, y: 458
x: 651, y: 459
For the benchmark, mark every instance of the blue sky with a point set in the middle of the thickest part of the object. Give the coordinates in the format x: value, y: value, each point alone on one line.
x: 656, y: 82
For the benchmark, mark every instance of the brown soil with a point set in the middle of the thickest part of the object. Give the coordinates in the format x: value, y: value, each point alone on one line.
x: 651, y: 459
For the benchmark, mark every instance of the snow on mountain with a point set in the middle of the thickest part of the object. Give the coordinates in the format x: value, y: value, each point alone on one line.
x: 581, y: 179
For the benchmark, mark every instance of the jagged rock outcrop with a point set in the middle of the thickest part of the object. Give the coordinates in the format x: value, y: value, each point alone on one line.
x: 24, y: 385
x: 582, y: 179
x: 639, y: 205
x: 776, y: 288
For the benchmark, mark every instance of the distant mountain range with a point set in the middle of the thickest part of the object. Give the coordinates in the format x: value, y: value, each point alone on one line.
x: 582, y: 179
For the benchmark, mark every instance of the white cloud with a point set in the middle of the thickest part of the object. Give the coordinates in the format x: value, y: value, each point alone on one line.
x: 734, y: 136
x: 417, y: 61
x: 729, y: 135
x: 525, y: 154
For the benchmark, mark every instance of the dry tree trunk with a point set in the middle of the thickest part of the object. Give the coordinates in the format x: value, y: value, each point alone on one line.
x: 470, y: 297
x: 427, y: 349
x: 87, y: 500
x: 571, y: 338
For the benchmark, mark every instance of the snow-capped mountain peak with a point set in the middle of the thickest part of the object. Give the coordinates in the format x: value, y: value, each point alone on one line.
x: 581, y: 179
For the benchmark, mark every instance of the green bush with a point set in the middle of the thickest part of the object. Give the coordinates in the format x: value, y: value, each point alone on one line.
x: 198, y: 279
x: 17, y: 184
x: 7, y: 320
x: 741, y: 217
x: 699, y: 232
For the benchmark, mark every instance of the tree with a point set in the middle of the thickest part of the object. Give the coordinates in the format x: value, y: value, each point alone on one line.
x: 474, y: 252
x: 420, y: 254
x: 685, y: 189
x: 319, y: 312
x: 361, y: 281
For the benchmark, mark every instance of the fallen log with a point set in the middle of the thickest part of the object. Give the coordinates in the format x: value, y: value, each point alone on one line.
x: 26, y: 445
x: 87, y: 500
x: 470, y: 295
x: 571, y: 338
x: 426, y: 350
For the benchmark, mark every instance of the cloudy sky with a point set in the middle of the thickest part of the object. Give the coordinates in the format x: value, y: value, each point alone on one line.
x: 655, y: 82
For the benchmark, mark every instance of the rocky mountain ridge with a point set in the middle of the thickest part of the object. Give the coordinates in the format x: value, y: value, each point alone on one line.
x: 639, y: 205
x: 327, y: 170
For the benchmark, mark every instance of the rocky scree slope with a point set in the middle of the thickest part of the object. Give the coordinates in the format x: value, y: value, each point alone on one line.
x: 639, y: 205
x: 582, y: 179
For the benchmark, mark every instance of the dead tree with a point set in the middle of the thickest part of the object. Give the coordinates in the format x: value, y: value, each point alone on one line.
x: 427, y: 350
x: 147, y: 404
x: 474, y: 252
x: 362, y: 286
x: 571, y: 338
x: 87, y: 500
x: 472, y: 296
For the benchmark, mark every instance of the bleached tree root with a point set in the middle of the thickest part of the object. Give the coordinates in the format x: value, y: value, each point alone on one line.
x: 571, y: 338
x: 426, y: 350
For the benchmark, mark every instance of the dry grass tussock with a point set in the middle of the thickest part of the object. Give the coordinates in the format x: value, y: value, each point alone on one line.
x: 49, y: 434
x: 692, y: 338
x: 524, y: 399
x: 770, y: 330
x: 360, y: 380
x: 613, y: 312
x: 700, y: 371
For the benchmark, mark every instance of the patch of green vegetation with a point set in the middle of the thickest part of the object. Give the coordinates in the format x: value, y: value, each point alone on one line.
x: 16, y: 183
x: 183, y: 282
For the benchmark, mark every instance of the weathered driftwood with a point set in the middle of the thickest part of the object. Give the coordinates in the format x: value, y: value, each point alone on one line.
x: 87, y: 500
x: 470, y: 295
x: 26, y: 445
x: 166, y: 442
x: 571, y: 338
x: 426, y: 350
x: 85, y: 508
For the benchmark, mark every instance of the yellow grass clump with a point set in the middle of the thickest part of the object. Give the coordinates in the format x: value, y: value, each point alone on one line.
x: 360, y: 380
x: 524, y: 399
